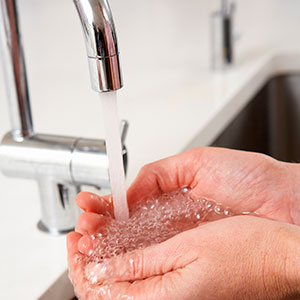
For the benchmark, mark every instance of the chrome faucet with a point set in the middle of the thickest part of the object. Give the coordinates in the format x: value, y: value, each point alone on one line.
x: 101, y: 44
x: 60, y: 165
x: 222, y: 39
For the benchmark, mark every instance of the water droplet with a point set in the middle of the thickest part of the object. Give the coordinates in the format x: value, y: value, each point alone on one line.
x: 219, y: 209
x: 228, y: 212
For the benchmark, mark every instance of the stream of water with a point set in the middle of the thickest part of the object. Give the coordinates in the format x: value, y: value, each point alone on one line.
x: 114, y: 152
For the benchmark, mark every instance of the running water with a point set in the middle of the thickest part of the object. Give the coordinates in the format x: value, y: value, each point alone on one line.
x: 114, y: 152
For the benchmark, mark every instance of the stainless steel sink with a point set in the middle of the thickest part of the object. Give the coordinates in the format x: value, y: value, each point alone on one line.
x: 270, y: 123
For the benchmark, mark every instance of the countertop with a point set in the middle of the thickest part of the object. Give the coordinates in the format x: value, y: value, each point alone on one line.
x: 171, y: 98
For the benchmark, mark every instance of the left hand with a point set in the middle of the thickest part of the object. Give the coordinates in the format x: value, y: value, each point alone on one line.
x: 241, y: 257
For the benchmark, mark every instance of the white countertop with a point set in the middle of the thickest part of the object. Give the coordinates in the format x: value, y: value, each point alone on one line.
x: 171, y: 99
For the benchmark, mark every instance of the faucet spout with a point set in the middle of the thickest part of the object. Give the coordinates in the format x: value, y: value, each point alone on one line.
x: 101, y: 44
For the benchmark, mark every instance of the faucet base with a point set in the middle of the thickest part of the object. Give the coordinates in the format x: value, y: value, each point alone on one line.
x: 40, y: 225
x: 61, y: 166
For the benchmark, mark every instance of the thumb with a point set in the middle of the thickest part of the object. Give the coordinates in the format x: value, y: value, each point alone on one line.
x: 166, y: 175
x: 158, y: 259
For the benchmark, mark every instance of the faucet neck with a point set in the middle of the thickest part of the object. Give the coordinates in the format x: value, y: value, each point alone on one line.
x: 12, y: 55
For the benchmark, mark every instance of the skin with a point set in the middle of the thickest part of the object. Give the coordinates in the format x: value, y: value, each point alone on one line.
x: 242, y: 257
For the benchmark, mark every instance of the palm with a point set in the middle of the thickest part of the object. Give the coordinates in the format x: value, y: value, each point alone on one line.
x: 191, y: 265
x: 244, y: 182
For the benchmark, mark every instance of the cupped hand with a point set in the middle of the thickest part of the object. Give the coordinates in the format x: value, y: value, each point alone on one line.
x: 241, y: 257
x: 243, y: 181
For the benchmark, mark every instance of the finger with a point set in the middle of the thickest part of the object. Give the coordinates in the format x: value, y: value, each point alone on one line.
x: 112, y: 291
x: 90, y: 202
x: 115, y: 290
x: 164, y: 176
x: 91, y: 223
x: 85, y: 245
x: 72, y: 248
x: 72, y: 242
x: 76, y: 268
x: 151, y: 288
x: 144, y: 263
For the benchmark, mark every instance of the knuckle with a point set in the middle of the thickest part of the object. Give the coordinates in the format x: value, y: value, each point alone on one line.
x: 146, y: 168
x: 82, y: 219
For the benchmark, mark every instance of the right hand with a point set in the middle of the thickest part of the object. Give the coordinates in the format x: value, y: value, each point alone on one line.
x: 243, y: 181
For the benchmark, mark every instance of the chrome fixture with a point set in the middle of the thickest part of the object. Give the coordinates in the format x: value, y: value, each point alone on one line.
x: 101, y: 44
x: 222, y: 39
x: 60, y: 165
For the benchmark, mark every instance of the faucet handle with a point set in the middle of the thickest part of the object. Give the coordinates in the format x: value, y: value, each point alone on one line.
x: 123, y: 130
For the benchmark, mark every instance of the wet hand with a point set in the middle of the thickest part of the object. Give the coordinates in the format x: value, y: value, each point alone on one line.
x: 244, y: 181
x: 241, y: 257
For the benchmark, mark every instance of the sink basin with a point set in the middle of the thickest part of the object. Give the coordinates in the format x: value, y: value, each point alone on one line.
x: 270, y: 123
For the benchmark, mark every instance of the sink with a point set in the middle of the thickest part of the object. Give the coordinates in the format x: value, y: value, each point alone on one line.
x: 270, y: 122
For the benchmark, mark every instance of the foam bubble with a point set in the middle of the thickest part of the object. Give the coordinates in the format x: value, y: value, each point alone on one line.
x: 152, y: 221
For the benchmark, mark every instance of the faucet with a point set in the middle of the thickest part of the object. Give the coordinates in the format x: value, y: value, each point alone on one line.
x: 60, y: 165
x: 222, y: 39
